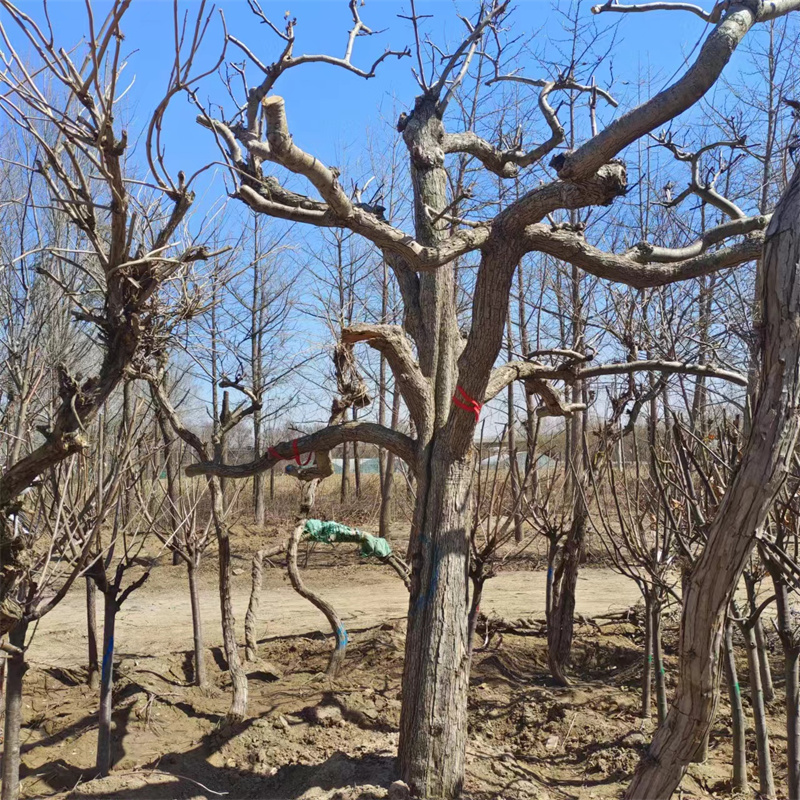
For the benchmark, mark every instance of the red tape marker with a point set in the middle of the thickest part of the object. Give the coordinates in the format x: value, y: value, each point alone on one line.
x: 467, y: 403
x: 273, y: 453
x: 297, y: 455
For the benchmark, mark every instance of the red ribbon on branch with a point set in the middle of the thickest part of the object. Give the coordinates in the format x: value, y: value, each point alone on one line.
x: 467, y: 403
x: 273, y: 453
x: 297, y: 455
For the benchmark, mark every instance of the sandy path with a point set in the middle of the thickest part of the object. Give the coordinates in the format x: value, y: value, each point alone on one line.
x: 156, y: 620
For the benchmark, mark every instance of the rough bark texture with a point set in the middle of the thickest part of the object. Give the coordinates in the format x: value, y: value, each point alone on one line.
x: 434, y: 714
x: 742, y: 511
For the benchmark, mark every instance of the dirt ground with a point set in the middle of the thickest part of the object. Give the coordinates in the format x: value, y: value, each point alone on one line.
x: 311, y: 738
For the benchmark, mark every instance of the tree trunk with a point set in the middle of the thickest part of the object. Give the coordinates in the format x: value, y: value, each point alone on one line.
x: 339, y: 632
x: 560, y: 622
x: 766, y: 782
x: 110, y: 609
x: 788, y: 635
x: 792, y: 671
x: 767, y: 683
x: 17, y: 667
x: 259, y: 507
x: 387, y: 482
x: 658, y: 664
x: 433, y: 721
x: 739, y: 783
x: 238, y: 707
x: 761, y: 639
x: 91, y: 630
x: 356, y: 461
x: 251, y: 618
x: 171, y: 469
x: 474, y: 611
x: 647, y: 668
x: 741, y: 513
x: 345, y: 485
x: 197, y: 622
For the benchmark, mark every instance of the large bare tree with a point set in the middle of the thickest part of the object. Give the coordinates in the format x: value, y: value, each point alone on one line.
x: 446, y: 374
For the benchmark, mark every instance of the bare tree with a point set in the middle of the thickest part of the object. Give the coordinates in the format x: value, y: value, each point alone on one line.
x: 450, y: 376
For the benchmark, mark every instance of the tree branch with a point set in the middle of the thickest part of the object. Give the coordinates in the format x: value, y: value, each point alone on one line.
x: 393, y: 343
x: 325, y: 439
x: 714, y: 55
x: 572, y: 247
x: 645, y: 252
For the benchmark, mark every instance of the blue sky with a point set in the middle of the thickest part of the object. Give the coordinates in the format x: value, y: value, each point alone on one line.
x: 328, y: 108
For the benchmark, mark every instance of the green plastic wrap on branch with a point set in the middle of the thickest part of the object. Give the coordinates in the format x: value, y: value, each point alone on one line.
x: 331, y: 532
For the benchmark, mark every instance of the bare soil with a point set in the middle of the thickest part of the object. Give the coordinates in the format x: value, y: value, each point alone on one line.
x: 312, y: 738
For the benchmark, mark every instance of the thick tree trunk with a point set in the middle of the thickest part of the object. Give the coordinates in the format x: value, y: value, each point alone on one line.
x: 110, y: 609
x: 251, y: 618
x: 197, y: 623
x: 91, y: 630
x: 433, y: 722
x: 739, y: 782
x: 741, y: 512
x: 17, y: 667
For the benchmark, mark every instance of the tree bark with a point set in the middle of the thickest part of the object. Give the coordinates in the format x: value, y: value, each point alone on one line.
x: 788, y: 635
x: 387, y: 482
x: 339, y: 632
x: 741, y: 512
x: 197, y: 622
x: 17, y: 667
x: 238, y: 708
x: 766, y: 781
x: 658, y: 664
x: 739, y: 782
x: 433, y: 721
x: 251, y: 618
x: 91, y: 631
x: 110, y: 609
x: 647, y: 667
x: 564, y: 582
